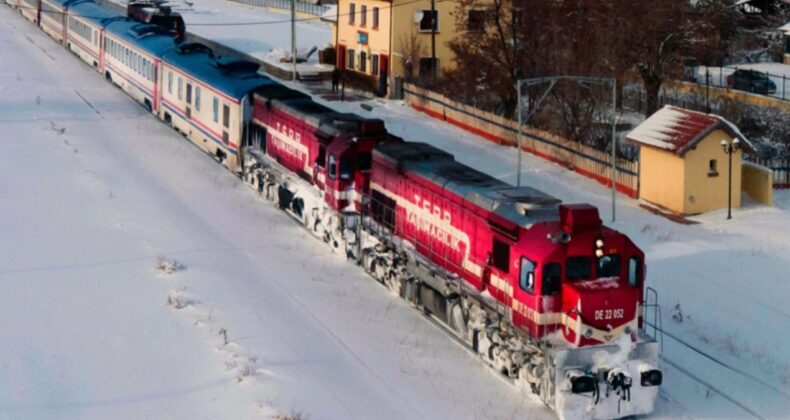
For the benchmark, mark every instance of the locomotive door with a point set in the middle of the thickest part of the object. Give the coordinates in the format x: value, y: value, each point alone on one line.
x: 499, y: 270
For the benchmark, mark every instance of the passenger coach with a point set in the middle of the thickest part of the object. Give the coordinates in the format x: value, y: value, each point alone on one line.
x: 51, y: 19
x: 30, y: 9
x: 85, y: 23
x: 207, y: 98
x: 132, y: 52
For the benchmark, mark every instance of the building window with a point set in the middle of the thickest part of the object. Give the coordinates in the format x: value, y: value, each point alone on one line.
x: 374, y: 65
x: 363, y: 15
x: 350, y: 61
x: 712, y: 169
x: 476, y: 20
x: 376, y: 19
x: 363, y: 56
x: 216, y: 109
x: 352, y: 11
x: 430, y: 20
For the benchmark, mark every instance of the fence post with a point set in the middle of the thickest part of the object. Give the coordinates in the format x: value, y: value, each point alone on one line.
x: 783, y: 86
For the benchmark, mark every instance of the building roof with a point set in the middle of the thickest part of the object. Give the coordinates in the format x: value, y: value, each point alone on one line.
x: 678, y: 130
x: 785, y: 28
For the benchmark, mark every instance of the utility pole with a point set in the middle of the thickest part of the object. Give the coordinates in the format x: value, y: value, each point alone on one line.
x: 615, y: 117
x: 434, y: 21
x: 293, y: 38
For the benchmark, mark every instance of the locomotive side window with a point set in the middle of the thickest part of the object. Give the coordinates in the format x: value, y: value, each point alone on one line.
x: 526, y: 277
x: 552, y: 277
x: 577, y: 268
x: 608, y: 266
x: 501, y: 256
x: 346, y: 168
x: 634, y: 271
x: 332, y: 167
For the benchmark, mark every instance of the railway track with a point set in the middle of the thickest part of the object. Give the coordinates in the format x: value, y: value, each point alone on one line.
x: 753, y: 396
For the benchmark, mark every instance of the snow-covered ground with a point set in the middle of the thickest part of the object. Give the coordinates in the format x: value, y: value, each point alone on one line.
x: 85, y: 227
x: 94, y: 190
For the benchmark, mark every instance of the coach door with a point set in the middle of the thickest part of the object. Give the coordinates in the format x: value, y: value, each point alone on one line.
x: 189, y: 101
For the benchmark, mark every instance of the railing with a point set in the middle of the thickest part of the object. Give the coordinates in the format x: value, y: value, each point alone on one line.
x: 718, y: 77
x: 301, y: 7
x: 588, y: 161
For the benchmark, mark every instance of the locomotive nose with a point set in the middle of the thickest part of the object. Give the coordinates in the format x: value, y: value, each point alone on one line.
x: 598, y: 311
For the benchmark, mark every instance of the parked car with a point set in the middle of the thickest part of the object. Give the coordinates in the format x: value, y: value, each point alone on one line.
x: 751, y: 81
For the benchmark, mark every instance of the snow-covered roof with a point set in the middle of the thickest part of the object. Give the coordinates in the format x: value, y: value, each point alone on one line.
x: 330, y: 14
x: 678, y: 130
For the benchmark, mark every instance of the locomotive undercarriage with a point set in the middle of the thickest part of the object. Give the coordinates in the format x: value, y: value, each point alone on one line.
x: 558, y: 375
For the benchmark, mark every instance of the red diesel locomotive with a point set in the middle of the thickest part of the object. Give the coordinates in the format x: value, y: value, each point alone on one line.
x: 543, y: 291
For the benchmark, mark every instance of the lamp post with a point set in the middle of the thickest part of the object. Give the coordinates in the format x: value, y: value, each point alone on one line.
x: 729, y: 147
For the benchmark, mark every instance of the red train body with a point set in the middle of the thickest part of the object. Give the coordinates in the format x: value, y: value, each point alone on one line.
x: 329, y: 149
x: 534, y: 256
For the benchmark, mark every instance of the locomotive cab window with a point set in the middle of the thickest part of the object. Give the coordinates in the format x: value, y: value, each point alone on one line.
x: 577, y: 268
x: 500, y: 258
x: 332, y: 167
x: 634, y: 271
x: 364, y: 160
x: 346, y: 168
x: 526, y: 277
x: 608, y: 266
x: 552, y: 278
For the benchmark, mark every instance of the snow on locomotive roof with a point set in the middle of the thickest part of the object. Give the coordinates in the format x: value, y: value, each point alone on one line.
x: 92, y: 12
x: 328, y: 120
x: 521, y: 205
x: 233, y: 76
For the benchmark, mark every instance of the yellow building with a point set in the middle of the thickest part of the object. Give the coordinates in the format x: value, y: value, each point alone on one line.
x: 683, y: 166
x: 378, y: 39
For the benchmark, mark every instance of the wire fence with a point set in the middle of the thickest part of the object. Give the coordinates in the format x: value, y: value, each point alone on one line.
x: 747, y: 78
x: 301, y: 7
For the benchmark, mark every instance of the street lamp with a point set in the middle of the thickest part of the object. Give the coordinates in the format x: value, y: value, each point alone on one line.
x: 730, y: 147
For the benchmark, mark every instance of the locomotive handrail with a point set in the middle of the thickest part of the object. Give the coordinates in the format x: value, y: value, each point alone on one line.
x: 657, y: 324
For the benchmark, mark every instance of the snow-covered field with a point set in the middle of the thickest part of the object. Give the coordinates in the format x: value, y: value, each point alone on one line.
x: 94, y: 193
x: 94, y: 190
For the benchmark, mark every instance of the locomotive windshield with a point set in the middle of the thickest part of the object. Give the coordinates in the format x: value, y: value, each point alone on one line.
x: 577, y: 268
x: 608, y: 266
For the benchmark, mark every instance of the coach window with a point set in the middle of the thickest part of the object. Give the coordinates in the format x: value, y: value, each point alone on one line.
x: 216, y: 109
x: 526, y: 277
x: 180, y: 87
x: 189, y: 93
x: 197, y: 98
x: 634, y: 271
x: 225, y: 116
x: 501, y: 256
x: 552, y: 277
x: 332, y: 167
x: 170, y: 82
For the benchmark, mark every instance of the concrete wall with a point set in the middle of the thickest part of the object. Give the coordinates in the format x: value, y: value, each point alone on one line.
x: 661, y: 178
x: 757, y: 181
x: 705, y: 191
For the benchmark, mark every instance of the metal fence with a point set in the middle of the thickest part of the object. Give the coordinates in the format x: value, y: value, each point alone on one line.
x: 725, y: 77
x: 634, y: 99
x: 301, y: 7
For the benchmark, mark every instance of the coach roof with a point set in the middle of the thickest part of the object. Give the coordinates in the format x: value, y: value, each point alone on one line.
x: 91, y: 11
x: 153, y: 39
x: 231, y: 76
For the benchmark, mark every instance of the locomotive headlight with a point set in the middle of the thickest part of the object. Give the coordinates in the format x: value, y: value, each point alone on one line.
x: 652, y: 378
x: 599, y: 243
x: 588, y: 333
x: 599, y: 253
x: 628, y: 329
